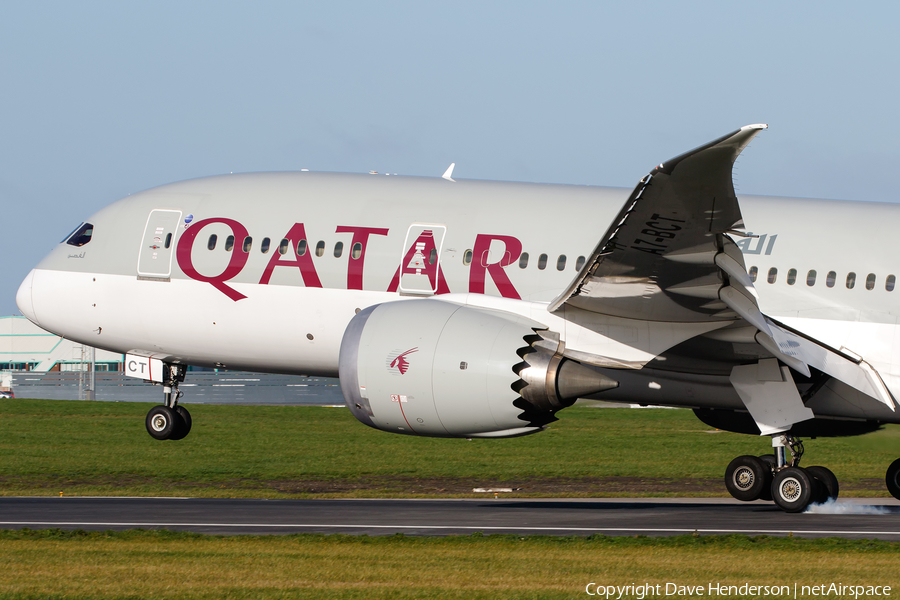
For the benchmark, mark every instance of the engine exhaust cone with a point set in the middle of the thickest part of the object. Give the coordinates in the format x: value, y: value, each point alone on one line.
x: 574, y: 380
x: 550, y: 382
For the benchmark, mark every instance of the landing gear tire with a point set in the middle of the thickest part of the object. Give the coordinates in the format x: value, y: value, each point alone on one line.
x: 162, y: 422
x: 892, y: 479
x: 769, y: 459
x: 747, y: 477
x: 793, y: 489
x: 828, y: 484
x: 771, y: 462
x: 184, y: 423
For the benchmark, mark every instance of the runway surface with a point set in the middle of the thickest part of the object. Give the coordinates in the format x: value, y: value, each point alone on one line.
x: 879, y: 518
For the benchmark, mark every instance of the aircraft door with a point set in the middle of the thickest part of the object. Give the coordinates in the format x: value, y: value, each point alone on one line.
x: 158, y: 244
x: 420, y: 261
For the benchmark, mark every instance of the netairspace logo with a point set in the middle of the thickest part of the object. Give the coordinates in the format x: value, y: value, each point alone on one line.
x: 663, y: 590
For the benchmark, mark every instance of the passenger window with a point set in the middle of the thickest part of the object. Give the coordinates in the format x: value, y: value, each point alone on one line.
x: 851, y: 280
x: 773, y: 275
x: 338, y: 249
x: 753, y: 273
x: 356, y: 250
x: 283, y: 247
x: 523, y: 260
x: 229, y: 243
x: 870, y: 281
x: 792, y: 277
x: 168, y: 240
x: 542, y: 262
x: 301, y: 247
x: 579, y: 263
x: 211, y: 244
x: 811, y: 278
x: 81, y: 236
x: 467, y: 257
x: 320, y: 248
x: 830, y: 278
x: 248, y: 243
x: 432, y: 257
x: 561, y: 262
x: 889, y: 283
x: 264, y: 247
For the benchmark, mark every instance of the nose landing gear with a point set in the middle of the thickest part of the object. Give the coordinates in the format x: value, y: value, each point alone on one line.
x: 170, y: 421
x: 773, y: 477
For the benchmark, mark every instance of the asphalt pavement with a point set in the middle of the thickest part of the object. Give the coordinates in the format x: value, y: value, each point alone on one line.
x: 852, y: 518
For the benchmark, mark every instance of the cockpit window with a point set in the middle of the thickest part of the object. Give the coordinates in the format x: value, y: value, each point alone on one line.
x: 68, y: 235
x: 81, y: 236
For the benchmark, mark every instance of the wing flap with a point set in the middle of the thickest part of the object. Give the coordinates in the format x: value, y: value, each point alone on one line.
x: 853, y: 371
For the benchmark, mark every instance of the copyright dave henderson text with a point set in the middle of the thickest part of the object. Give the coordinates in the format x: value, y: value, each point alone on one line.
x: 650, y: 590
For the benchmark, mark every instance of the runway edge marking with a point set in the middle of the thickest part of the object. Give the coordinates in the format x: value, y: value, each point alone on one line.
x: 446, y: 527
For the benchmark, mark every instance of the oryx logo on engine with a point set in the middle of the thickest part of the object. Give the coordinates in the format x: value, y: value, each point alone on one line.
x: 397, y: 363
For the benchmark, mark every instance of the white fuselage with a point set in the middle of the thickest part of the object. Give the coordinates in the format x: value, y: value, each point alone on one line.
x: 367, y: 239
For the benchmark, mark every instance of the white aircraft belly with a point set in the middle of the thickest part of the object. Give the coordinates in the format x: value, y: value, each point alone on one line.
x: 276, y: 328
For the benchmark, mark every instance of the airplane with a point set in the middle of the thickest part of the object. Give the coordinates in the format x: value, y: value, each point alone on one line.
x: 478, y: 309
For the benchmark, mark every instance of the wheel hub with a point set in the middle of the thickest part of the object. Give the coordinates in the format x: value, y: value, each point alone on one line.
x: 158, y: 422
x: 744, y: 478
x: 790, y: 489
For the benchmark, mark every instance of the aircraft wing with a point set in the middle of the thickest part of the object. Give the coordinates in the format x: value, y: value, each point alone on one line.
x: 669, y: 257
x: 656, y: 261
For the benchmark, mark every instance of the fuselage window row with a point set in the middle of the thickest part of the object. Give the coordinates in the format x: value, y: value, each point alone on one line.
x: 356, y: 252
x: 524, y: 259
x: 302, y: 246
x: 830, y: 279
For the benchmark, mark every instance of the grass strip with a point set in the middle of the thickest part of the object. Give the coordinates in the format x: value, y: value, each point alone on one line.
x: 163, y: 564
x: 102, y: 448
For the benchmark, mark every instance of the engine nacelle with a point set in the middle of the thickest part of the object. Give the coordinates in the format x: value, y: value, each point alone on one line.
x: 433, y: 368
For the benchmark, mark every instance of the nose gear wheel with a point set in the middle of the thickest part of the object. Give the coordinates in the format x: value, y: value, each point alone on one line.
x: 169, y: 421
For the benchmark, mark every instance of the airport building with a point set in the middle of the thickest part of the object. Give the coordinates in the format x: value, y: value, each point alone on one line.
x: 26, y: 347
x: 38, y: 364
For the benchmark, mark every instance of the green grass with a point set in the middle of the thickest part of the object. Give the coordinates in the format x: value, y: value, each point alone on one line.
x: 142, y: 564
x: 47, y: 447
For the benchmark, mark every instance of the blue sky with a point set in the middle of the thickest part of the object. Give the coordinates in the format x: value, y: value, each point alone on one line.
x: 102, y: 99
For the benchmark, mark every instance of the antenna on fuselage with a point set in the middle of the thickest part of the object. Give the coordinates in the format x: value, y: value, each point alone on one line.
x: 448, y: 174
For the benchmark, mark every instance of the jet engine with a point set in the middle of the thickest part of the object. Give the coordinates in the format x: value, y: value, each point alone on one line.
x: 433, y: 368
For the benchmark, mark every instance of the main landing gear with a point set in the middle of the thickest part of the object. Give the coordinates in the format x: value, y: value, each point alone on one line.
x: 790, y: 486
x: 170, y: 421
x: 892, y: 479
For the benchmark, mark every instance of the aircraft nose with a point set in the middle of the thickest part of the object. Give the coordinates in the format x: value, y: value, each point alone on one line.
x: 23, y: 298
